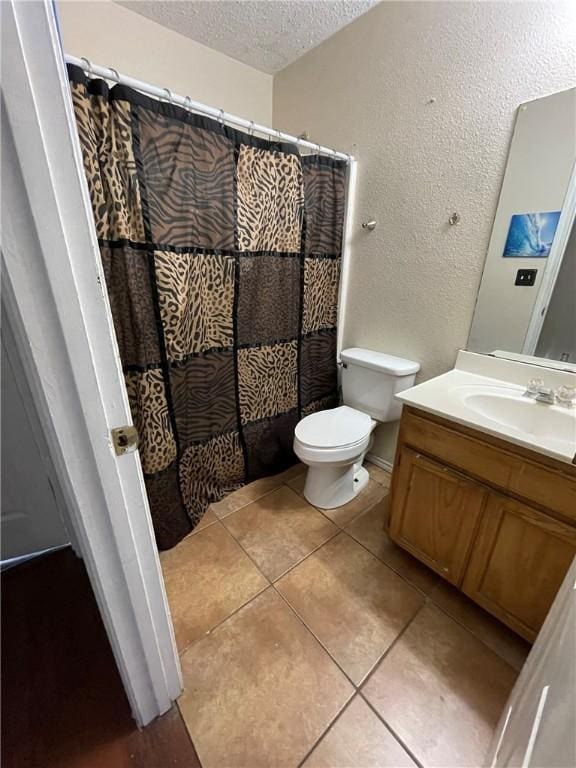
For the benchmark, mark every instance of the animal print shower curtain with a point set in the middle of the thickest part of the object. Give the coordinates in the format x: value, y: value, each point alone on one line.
x: 221, y: 253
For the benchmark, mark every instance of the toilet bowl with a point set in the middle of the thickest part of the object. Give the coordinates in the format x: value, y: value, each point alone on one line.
x: 334, y: 442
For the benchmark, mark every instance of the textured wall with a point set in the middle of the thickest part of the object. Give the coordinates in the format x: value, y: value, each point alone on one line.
x: 414, y: 280
x: 261, y: 34
x: 108, y: 34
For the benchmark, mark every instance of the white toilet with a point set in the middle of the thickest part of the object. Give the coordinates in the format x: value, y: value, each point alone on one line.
x: 333, y: 443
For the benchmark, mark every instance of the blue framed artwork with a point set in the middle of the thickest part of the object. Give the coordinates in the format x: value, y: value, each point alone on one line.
x: 531, y: 234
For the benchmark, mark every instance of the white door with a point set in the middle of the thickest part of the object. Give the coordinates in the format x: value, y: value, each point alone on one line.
x: 54, y: 294
x: 537, y: 729
x: 29, y: 517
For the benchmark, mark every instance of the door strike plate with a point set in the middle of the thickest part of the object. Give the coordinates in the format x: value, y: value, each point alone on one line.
x: 125, y: 440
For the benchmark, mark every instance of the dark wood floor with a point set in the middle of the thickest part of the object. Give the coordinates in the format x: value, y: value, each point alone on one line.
x: 63, y: 701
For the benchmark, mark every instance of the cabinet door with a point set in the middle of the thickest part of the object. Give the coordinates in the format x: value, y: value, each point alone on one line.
x: 520, y: 558
x: 434, y: 513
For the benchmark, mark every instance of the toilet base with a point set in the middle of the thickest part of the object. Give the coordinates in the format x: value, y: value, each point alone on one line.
x: 329, y: 487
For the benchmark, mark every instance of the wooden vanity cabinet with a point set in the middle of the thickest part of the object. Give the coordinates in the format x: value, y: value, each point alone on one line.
x: 496, y: 520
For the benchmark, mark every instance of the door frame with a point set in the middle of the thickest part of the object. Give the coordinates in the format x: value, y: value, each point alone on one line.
x: 554, y: 262
x: 54, y: 293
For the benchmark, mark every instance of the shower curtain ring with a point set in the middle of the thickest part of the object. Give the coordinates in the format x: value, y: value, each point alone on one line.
x: 168, y: 95
x: 251, y: 128
x: 221, y: 116
x: 115, y: 73
x: 88, y: 64
x: 187, y: 103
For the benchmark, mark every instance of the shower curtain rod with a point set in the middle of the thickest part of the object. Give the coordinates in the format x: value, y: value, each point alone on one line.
x: 109, y: 73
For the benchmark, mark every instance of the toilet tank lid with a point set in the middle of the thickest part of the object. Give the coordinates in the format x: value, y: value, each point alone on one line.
x: 378, y: 361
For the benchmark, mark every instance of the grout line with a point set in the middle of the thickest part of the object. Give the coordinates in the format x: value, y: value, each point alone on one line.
x: 357, y: 688
x: 349, y: 522
x: 258, y: 498
x: 371, y: 673
x: 268, y: 579
x: 199, y: 530
x: 312, y: 552
x: 397, y: 573
x: 248, y: 555
x: 400, y: 575
x: 301, y: 620
x: 338, y: 530
x: 325, y: 731
x: 270, y: 583
x: 390, y: 647
x: 428, y: 599
x: 223, y: 621
x: 456, y: 620
x: 428, y: 595
x: 387, y: 650
x: 298, y: 493
x: 391, y: 731
x: 257, y: 594
x: 251, y: 501
x: 342, y: 527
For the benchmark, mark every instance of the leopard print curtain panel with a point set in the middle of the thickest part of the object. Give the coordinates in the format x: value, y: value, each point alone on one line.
x: 221, y: 253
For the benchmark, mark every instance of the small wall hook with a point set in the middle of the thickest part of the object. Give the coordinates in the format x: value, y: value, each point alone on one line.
x: 370, y: 225
x: 454, y: 219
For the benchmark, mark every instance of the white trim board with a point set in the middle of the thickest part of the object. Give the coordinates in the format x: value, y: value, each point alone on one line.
x: 553, y: 265
x: 59, y: 313
x: 347, y: 229
x: 380, y: 462
x: 10, y: 562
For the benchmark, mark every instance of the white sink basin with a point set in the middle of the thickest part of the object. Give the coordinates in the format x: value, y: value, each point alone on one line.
x: 487, y: 394
x: 511, y: 409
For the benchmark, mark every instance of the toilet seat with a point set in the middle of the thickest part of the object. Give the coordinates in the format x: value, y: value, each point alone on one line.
x: 340, y: 427
x: 335, y: 436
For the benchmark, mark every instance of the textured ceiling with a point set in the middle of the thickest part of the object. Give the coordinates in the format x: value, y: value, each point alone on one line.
x: 266, y: 34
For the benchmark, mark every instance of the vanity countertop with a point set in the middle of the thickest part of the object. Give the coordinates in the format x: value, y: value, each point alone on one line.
x: 487, y: 394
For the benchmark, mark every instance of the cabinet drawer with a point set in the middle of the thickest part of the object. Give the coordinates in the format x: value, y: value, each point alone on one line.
x: 477, y: 456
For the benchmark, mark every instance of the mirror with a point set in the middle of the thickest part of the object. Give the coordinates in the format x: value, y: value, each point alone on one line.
x: 527, y: 298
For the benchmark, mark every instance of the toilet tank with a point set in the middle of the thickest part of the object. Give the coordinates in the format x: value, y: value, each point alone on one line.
x: 371, y: 379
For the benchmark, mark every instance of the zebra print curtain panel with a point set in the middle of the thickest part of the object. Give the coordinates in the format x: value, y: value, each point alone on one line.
x: 221, y: 253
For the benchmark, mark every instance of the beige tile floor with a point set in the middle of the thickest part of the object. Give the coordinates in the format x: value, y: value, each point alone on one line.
x: 308, y: 638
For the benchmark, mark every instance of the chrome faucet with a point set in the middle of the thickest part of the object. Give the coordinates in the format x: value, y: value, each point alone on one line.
x: 537, y: 391
x: 545, y: 395
x: 564, y: 396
